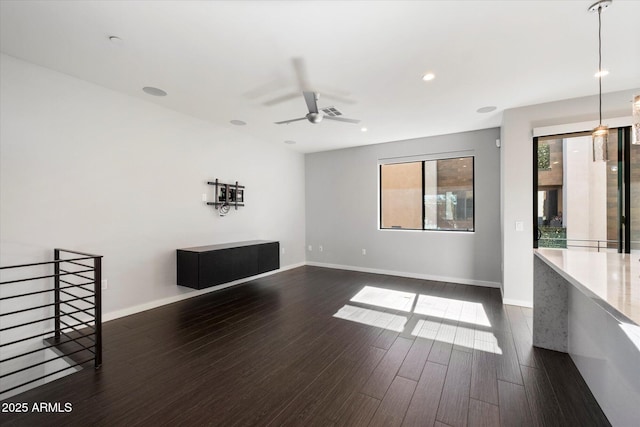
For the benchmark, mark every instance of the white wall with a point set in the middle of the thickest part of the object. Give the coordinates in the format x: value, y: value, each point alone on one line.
x: 342, y: 214
x: 516, y: 179
x: 86, y: 168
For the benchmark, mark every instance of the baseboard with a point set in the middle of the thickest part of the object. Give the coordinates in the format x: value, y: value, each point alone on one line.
x: 521, y: 303
x: 169, y: 300
x: 461, y: 281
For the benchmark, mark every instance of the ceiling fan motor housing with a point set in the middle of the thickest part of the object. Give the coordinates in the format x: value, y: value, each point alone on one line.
x: 315, y: 117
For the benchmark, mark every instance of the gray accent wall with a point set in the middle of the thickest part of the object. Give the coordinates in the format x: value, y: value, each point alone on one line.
x: 342, y: 208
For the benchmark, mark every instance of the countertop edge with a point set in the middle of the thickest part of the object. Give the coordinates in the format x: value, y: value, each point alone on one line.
x: 611, y: 310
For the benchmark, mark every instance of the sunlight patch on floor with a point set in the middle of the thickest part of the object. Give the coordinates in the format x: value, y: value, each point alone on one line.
x: 452, y: 309
x: 387, y: 298
x: 457, y: 335
x: 436, y: 308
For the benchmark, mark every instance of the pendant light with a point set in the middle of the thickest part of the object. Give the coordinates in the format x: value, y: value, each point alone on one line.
x: 600, y: 134
x: 636, y: 120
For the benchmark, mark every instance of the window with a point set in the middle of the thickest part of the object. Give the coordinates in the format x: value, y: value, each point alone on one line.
x: 427, y: 195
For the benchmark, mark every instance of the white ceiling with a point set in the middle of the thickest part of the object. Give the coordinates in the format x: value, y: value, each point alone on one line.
x: 223, y: 60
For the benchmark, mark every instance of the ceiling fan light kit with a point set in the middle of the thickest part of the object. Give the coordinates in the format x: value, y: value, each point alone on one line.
x: 315, y: 115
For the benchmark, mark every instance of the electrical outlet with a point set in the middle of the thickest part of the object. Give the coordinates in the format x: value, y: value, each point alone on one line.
x: 320, y: 248
x: 310, y: 248
x: 104, y: 285
x: 364, y: 252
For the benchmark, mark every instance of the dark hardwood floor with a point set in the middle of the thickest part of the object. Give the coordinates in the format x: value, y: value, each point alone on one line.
x: 293, y: 349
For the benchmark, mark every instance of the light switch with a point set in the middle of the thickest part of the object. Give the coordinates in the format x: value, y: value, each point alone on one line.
x: 519, y: 226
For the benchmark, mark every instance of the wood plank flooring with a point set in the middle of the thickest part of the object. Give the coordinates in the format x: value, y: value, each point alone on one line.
x: 294, y: 349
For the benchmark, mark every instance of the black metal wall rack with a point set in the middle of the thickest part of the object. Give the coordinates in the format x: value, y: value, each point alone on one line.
x: 227, y: 194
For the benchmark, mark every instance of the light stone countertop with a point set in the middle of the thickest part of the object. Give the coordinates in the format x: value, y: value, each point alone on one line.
x: 612, y: 280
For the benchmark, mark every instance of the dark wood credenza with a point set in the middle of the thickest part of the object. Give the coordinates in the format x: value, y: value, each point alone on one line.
x: 205, y: 266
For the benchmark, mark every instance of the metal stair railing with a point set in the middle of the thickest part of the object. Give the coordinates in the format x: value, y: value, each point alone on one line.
x: 70, y: 317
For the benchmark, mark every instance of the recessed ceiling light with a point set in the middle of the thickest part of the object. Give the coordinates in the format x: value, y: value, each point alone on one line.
x: 364, y: 129
x: 115, y: 39
x: 154, y: 91
x: 238, y: 122
x: 429, y: 76
x: 601, y: 73
x: 555, y: 163
x: 288, y: 141
x: 487, y: 109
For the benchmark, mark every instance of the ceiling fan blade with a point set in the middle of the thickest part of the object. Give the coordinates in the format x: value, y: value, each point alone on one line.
x: 282, y: 98
x: 268, y: 88
x: 310, y: 99
x: 300, y: 67
x: 339, y: 98
x: 341, y: 119
x: 289, y: 121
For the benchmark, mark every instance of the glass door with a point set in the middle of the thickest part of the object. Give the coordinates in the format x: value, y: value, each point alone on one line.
x: 632, y: 182
x: 582, y: 204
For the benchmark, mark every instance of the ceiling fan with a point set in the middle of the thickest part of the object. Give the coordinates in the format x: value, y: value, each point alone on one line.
x: 302, y: 80
x: 315, y: 115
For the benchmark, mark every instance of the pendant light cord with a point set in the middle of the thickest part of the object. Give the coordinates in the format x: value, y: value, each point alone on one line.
x: 600, y: 60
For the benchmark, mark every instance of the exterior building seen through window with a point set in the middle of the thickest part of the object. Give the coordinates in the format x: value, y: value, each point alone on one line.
x: 428, y: 195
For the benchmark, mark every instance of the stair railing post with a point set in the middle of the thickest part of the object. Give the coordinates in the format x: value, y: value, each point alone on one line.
x: 97, y: 263
x: 56, y: 293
